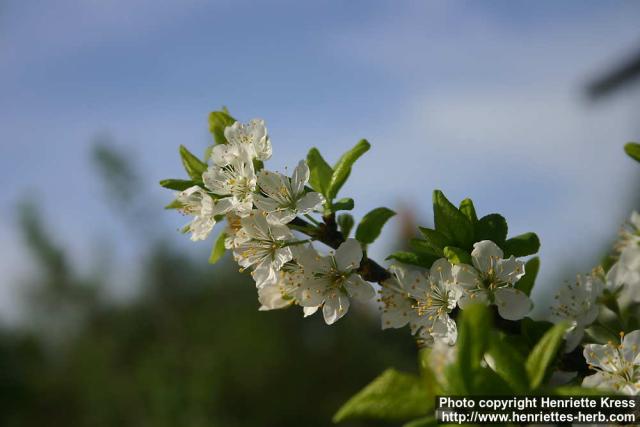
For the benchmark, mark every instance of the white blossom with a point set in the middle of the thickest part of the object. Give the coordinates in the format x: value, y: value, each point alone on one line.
x: 284, y: 198
x: 251, y: 138
x: 617, y: 365
x: 578, y: 303
x: 490, y: 281
x: 330, y: 281
x: 263, y: 246
x: 281, y: 293
x: 630, y: 233
x: 234, y: 182
x: 195, y: 201
x: 440, y: 298
x: 398, y: 297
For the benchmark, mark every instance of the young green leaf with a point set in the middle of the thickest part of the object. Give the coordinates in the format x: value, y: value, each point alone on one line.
x: 393, y: 396
x: 413, y: 258
x: 509, y: 363
x: 430, y: 421
x: 457, y: 255
x: 342, y: 169
x: 468, y: 210
x: 177, y: 184
x: 450, y: 222
x: 344, y: 204
x: 540, y: 361
x: 531, y: 268
x: 319, y: 171
x: 371, y: 225
x: 218, y: 249
x: 345, y: 224
x: 474, y: 328
x: 633, y: 150
x: 193, y: 165
x: 492, y: 227
x: 523, y: 245
x: 218, y: 121
x: 174, y: 205
x: 434, y: 238
x: 422, y: 246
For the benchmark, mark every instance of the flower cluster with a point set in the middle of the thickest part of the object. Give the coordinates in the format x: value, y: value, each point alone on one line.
x: 424, y: 299
x: 259, y: 206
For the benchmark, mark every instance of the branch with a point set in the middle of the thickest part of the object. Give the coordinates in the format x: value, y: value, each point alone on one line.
x: 329, y: 234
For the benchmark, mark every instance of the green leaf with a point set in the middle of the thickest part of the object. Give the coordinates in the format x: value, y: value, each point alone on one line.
x: 423, y: 247
x: 574, y: 390
x: 430, y: 421
x: 531, y: 268
x: 450, y: 222
x: 345, y: 204
x: 468, y: 210
x: 177, y: 184
x: 457, y: 255
x: 218, y: 121
x: 218, y: 249
x: 509, y: 363
x: 540, y: 361
x: 434, y: 238
x: 319, y: 171
x: 413, y: 258
x: 474, y: 327
x: 492, y: 227
x: 600, y: 334
x: 534, y: 330
x: 523, y: 245
x: 371, y: 225
x: 345, y: 223
x: 174, y: 205
x: 193, y: 165
x: 342, y: 169
x: 392, y: 396
x: 633, y: 150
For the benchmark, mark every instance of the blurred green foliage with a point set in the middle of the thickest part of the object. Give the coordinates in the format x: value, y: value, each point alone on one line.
x: 190, y: 349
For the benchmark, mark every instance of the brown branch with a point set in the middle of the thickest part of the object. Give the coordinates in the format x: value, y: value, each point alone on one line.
x: 329, y: 234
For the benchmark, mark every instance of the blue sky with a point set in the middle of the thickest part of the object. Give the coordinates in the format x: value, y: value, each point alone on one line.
x: 480, y: 99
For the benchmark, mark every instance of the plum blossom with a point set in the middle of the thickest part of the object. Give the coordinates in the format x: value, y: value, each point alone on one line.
x: 630, y: 233
x: 617, y: 366
x: 330, y: 281
x: 490, y: 281
x: 264, y: 246
x: 578, y: 303
x: 440, y: 298
x: 284, y: 198
x: 234, y: 183
x: 398, y: 297
x: 250, y: 138
x: 195, y: 201
x: 281, y: 293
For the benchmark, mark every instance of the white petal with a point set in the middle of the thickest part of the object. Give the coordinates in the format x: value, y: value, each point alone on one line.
x: 308, y: 311
x: 600, y: 381
x: 631, y: 347
x: 264, y: 274
x: 468, y: 299
x: 485, y: 254
x: 335, y: 306
x: 310, y: 293
x: 509, y: 270
x: 271, y: 298
x: 348, y: 255
x: 358, y: 288
x: 512, y: 303
x: 299, y: 178
x: 465, y: 275
x: 310, y: 202
x: 271, y: 183
x: 441, y: 271
x: 574, y: 337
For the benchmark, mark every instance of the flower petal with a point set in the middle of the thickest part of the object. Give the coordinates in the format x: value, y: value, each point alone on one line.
x: 335, y: 306
x: 358, y: 288
x: 348, y: 255
x: 485, y: 254
x: 512, y: 303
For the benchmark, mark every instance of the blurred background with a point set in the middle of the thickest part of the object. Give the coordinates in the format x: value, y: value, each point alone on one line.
x: 109, y: 316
